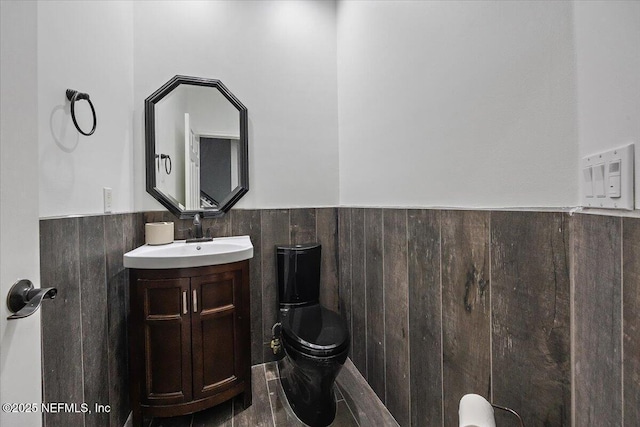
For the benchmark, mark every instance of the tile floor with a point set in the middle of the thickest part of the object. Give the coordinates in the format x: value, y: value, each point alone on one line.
x: 357, y: 405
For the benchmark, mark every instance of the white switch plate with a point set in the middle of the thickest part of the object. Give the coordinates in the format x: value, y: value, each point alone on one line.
x: 107, y: 195
x: 618, y: 180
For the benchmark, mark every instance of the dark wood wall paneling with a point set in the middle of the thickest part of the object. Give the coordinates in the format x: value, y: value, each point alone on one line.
x: 344, y: 269
x: 425, y: 321
x: 84, y: 332
x: 415, y: 289
x: 247, y: 223
x: 275, y: 231
x: 374, y: 300
x: 115, y: 232
x: 303, y: 226
x: 95, y: 316
x: 61, y: 319
x: 631, y: 320
x: 327, y: 236
x: 466, y: 328
x: 530, y: 287
x: 396, y: 314
x: 606, y: 280
x: 597, y: 327
x: 449, y: 285
x: 358, y: 292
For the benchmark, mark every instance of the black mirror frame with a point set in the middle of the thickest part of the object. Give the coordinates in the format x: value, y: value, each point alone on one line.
x: 150, y: 143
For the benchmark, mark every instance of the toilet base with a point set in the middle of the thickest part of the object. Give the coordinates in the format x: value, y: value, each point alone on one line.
x: 308, y: 385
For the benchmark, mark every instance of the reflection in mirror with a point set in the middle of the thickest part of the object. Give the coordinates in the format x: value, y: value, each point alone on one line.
x: 219, y: 171
x: 198, y: 136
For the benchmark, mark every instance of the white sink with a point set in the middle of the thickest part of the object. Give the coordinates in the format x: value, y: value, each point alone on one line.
x: 180, y: 254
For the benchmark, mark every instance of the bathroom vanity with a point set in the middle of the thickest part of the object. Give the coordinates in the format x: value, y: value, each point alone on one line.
x: 189, y: 338
x: 189, y: 329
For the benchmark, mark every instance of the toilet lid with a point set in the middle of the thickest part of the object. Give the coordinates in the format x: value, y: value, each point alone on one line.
x: 315, y: 328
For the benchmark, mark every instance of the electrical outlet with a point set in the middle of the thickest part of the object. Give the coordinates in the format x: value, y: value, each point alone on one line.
x: 107, y: 195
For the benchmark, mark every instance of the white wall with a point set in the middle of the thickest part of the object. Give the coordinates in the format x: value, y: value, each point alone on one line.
x: 463, y: 104
x: 607, y: 37
x: 170, y: 140
x: 279, y: 59
x: 87, y: 46
x: 459, y: 104
x: 211, y: 113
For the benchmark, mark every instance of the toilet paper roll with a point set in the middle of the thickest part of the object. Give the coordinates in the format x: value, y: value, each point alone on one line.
x: 475, y: 411
x: 158, y: 233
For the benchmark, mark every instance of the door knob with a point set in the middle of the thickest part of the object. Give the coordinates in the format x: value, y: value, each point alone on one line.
x: 24, y: 299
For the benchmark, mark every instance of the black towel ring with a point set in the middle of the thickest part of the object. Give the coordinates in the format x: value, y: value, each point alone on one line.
x: 168, y: 168
x: 73, y: 96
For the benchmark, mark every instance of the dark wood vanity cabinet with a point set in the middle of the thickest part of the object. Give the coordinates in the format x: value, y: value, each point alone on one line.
x: 189, y: 342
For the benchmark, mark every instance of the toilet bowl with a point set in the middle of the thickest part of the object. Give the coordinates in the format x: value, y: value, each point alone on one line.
x: 315, y: 339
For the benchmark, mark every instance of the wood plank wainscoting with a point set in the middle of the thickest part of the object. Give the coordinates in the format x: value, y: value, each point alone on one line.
x: 493, y: 300
x: 439, y: 303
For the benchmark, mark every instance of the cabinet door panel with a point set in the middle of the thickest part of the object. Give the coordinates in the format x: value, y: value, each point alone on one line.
x: 164, y: 381
x: 217, y: 350
x: 164, y: 301
x: 214, y: 328
x: 167, y: 337
x: 220, y: 295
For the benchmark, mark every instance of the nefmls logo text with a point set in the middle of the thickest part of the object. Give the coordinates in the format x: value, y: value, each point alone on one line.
x: 78, y: 408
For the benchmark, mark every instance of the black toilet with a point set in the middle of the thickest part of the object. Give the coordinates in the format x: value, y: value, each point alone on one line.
x: 315, y: 339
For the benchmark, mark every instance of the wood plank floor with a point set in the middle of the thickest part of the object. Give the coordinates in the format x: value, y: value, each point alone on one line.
x: 357, y: 405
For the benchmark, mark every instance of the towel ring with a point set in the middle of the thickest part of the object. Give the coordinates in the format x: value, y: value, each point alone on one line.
x: 73, y: 96
x: 168, y: 168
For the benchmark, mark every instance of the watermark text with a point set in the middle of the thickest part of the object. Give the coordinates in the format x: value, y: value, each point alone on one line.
x: 56, y: 408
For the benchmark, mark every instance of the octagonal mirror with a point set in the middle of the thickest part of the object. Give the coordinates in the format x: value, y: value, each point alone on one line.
x: 196, y: 147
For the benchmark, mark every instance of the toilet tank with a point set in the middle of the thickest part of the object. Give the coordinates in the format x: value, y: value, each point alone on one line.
x: 298, y: 274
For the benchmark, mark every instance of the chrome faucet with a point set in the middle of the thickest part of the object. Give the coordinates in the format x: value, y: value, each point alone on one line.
x: 197, y: 234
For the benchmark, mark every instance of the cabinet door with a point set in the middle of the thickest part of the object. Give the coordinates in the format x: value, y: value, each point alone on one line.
x: 167, y: 341
x: 216, y: 301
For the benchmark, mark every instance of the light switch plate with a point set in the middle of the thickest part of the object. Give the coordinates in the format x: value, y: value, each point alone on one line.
x: 107, y: 195
x: 612, y: 179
